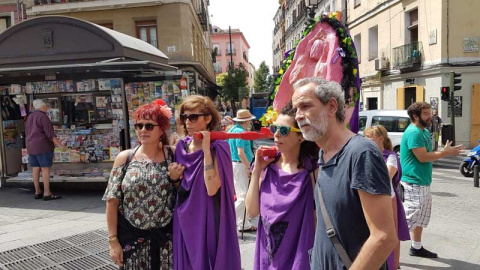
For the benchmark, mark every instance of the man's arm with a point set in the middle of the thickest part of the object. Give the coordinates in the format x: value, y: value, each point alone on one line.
x: 423, y: 156
x: 383, y: 235
x: 243, y: 157
x: 59, y: 144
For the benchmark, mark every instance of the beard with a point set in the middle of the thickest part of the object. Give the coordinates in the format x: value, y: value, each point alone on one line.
x: 317, y: 128
x: 424, y: 123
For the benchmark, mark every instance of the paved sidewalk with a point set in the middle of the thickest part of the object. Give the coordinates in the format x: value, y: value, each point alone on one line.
x: 454, y: 232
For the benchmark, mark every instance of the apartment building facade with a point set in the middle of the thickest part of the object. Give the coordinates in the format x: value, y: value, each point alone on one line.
x: 407, y: 50
x: 290, y: 22
x: 238, y: 52
x: 180, y: 29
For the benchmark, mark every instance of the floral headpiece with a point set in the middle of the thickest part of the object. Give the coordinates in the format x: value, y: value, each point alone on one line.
x: 167, y: 111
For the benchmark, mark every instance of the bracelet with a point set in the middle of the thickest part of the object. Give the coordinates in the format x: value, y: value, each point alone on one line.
x: 112, y: 238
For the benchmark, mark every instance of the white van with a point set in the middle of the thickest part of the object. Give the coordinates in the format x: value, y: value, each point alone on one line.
x: 395, y: 121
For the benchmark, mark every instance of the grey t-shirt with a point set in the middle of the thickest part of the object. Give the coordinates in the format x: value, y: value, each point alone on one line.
x: 359, y: 165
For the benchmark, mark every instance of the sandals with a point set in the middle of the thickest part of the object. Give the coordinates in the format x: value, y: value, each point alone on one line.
x: 38, y: 196
x: 251, y: 229
x: 51, y: 197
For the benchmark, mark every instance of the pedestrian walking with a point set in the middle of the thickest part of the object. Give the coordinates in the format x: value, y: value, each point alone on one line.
x: 416, y: 156
x: 204, y: 235
x: 140, y: 196
x: 242, y: 156
x: 436, y: 129
x: 352, y: 193
x: 281, y: 192
x: 40, y: 142
x: 379, y: 135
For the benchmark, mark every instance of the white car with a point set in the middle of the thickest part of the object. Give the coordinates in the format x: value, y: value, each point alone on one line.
x: 395, y: 121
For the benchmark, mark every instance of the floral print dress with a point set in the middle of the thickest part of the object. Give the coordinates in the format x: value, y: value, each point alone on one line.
x: 148, y: 201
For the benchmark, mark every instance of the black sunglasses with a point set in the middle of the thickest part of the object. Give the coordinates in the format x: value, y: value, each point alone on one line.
x: 284, y: 130
x: 148, y: 126
x: 192, y: 117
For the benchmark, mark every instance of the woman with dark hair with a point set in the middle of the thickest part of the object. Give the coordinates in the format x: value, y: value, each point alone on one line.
x: 281, y: 192
x: 204, y: 229
x: 378, y: 134
x: 140, y: 195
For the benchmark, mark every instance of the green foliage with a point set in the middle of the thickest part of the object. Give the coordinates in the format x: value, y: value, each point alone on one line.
x: 220, y: 79
x: 261, y: 78
x: 235, y: 83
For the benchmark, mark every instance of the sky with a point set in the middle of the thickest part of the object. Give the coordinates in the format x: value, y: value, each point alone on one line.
x: 254, y: 18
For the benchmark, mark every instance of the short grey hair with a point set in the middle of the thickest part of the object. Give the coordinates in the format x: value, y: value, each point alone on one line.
x: 326, y: 90
x: 38, y: 104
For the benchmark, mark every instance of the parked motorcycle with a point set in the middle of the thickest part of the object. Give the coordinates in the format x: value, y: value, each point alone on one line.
x: 473, y: 158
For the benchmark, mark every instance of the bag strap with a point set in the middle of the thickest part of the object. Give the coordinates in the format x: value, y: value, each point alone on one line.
x: 331, y: 231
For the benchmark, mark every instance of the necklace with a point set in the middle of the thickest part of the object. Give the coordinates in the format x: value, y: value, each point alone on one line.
x: 151, y: 160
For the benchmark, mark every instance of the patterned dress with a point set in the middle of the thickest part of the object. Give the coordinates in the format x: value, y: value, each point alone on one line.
x: 148, y: 201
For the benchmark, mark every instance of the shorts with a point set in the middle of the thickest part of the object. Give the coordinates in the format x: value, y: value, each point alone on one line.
x: 436, y: 136
x: 417, y: 205
x: 42, y: 160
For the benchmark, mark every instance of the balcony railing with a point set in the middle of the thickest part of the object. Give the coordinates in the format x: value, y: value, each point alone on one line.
x: 408, y: 55
x: 202, y: 16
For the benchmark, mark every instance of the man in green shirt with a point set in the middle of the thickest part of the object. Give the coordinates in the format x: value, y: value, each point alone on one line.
x: 416, y: 158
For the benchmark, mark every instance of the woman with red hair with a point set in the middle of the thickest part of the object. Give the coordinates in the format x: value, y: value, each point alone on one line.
x: 140, y: 195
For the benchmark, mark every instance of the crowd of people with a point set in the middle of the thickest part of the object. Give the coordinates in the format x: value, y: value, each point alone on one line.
x: 327, y: 200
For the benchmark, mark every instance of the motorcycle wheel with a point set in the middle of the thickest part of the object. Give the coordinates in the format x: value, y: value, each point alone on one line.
x: 464, y: 170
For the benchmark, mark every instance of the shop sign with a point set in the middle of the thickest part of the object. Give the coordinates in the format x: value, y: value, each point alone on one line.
x: 432, y: 37
x: 183, y: 83
x: 47, y: 38
x: 470, y: 45
x: 171, y: 48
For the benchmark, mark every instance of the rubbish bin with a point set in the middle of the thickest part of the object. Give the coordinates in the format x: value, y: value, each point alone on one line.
x: 447, y: 133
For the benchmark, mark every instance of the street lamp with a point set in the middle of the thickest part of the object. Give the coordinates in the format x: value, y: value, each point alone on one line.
x: 311, y: 6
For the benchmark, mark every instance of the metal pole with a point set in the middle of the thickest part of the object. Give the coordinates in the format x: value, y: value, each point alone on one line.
x: 452, y: 113
x: 476, y: 170
x: 231, y: 50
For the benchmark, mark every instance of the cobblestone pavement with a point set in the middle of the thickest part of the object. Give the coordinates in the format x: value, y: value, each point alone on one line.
x: 71, y: 233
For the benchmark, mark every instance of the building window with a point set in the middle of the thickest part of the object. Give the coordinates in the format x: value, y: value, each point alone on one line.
x: 106, y: 25
x: 373, y: 43
x: 230, y: 48
x: 357, y: 3
x: 217, y: 68
x: 216, y: 49
x: 413, y: 26
x: 357, y: 40
x: 147, y: 31
x: 4, y: 23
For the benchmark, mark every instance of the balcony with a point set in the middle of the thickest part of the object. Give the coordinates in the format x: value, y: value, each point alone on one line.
x: 228, y: 52
x: 408, y: 56
x: 202, y: 16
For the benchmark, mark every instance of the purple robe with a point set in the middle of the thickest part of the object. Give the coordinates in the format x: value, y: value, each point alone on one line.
x: 286, y: 225
x: 402, y: 226
x: 204, y: 227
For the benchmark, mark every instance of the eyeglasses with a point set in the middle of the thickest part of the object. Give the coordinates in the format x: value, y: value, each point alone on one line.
x: 148, y: 126
x: 284, y: 130
x: 192, y: 117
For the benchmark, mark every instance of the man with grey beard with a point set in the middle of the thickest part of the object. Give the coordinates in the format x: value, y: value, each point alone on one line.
x: 353, y: 181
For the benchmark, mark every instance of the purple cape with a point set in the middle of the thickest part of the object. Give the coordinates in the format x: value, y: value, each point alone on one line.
x: 402, y: 227
x: 204, y: 227
x: 286, y: 225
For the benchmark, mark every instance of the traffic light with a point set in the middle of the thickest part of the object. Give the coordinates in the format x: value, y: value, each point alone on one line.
x: 454, y: 82
x: 445, y: 93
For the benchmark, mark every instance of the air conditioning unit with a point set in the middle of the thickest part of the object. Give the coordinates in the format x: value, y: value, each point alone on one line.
x: 381, y: 63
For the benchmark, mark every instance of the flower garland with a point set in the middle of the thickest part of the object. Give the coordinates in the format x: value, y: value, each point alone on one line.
x: 346, y: 52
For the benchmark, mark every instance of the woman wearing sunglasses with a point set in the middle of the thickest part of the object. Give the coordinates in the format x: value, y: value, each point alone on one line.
x: 204, y: 231
x: 281, y: 192
x: 140, y: 196
x: 378, y: 134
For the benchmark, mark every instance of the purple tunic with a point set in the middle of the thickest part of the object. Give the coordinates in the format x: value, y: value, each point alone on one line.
x: 204, y: 227
x: 402, y: 226
x: 286, y: 225
x: 39, y: 133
